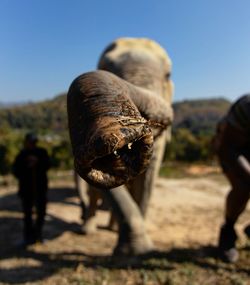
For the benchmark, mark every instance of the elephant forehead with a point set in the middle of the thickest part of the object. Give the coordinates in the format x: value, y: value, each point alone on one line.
x: 136, y: 48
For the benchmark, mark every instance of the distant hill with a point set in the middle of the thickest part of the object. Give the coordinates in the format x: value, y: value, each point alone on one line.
x: 199, y: 116
x: 11, y: 104
x: 45, y: 115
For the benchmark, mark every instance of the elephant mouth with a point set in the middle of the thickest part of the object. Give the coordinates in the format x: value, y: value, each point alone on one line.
x: 122, y: 156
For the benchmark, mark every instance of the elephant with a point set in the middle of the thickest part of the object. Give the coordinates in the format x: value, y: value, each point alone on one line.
x: 119, y: 119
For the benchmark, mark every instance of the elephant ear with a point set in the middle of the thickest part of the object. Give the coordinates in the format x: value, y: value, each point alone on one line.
x: 112, y: 143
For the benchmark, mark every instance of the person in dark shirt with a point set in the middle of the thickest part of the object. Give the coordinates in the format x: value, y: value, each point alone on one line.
x: 232, y: 145
x: 30, y: 168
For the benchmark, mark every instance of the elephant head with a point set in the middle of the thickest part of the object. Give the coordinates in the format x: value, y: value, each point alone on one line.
x: 115, y: 113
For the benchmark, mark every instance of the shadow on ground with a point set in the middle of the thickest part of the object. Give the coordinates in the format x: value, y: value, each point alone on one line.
x: 10, y: 202
x: 11, y: 217
x: 47, y: 263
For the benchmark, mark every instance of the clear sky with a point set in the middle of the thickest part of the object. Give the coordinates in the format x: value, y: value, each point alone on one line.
x: 45, y: 44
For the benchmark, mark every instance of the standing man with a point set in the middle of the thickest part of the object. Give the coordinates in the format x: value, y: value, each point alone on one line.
x: 30, y: 168
x: 232, y: 144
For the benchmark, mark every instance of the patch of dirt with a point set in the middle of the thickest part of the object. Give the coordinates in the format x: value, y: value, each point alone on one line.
x: 183, y: 213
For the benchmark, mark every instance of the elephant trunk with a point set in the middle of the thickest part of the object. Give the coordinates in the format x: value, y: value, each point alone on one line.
x: 153, y: 107
x: 112, y: 143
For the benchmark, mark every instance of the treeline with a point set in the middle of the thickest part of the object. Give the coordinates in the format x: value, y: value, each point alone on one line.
x: 49, y: 115
x: 193, y: 128
x: 200, y: 116
x: 57, y: 145
x: 194, y: 125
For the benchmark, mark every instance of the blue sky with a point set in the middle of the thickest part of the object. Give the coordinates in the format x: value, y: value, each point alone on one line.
x: 45, y: 44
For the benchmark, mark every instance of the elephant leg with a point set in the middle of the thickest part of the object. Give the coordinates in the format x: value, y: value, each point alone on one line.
x: 142, y: 186
x: 132, y: 236
x: 82, y: 189
x: 140, y: 189
x: 89, y: 197
x: 112, y: 224
x: 90, y: 225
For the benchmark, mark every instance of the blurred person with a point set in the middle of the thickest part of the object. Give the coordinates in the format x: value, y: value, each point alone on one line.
x: 232, y: 145
x: 30, y: 168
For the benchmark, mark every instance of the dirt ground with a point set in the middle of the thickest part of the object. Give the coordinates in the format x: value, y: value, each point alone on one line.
x: 183, y: 221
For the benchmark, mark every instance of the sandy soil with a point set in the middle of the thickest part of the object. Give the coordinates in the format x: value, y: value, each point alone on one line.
x: 183, y: 213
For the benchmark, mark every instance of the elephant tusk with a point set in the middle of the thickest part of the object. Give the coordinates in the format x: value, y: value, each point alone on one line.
x: 130, y: 145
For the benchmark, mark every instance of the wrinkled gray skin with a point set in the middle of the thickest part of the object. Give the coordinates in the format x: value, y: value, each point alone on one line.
x: 143, y: 63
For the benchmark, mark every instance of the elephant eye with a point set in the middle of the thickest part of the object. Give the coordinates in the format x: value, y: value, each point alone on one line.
x: 167, y: 75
